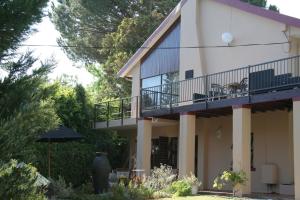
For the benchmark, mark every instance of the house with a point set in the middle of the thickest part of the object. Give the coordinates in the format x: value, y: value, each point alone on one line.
x: 216, y: 87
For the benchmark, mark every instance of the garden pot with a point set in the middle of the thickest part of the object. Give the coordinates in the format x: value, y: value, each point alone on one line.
x: 100, y: 170
x: 195, y: 189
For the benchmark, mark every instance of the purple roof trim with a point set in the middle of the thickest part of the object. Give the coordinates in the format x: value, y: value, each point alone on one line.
x: 262, y: 12
x: 153, y: 35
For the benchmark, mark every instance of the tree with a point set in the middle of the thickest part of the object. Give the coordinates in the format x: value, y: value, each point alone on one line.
x: 25, y: 109
x: 116, y: 29
x: 262, y: 3
x: 16, y: 20
x: 73, y: 160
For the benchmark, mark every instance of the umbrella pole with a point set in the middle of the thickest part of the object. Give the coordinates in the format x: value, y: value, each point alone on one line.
x: 49, y: 154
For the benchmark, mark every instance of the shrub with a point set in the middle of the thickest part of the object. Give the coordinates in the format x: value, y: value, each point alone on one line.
x: 192, y: 180
x: 160, y: 178
x: 19, y: 181
x: 181, y: 188
x: 230, y: 177
x: 60, y: 188
x: 131, y: 192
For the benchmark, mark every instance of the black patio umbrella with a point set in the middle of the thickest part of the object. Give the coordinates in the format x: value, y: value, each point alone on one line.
x: 60, y: 134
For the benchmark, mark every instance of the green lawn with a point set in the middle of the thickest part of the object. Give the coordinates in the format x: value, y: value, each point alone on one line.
x: 204, y: 197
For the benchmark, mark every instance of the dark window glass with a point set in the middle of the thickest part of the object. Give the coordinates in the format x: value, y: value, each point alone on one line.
x: 160, y: 90
x: 164, y: 151
x: 151, y: 93
x: 189, y: 74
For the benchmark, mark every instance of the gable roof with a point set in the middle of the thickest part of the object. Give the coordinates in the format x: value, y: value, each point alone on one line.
x: 154, y: 37
x: 175, y: 14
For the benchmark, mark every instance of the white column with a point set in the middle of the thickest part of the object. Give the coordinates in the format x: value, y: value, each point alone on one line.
x: 202, y: 153
x: 132, y: 150
x: 241, y: 144
x: 186, y: 160
x: 296, y: 133
x: 143, y: 154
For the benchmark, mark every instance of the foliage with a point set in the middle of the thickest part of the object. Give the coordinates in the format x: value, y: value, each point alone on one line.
x: 192, y: 180
x: 18, y: 181
x: 181, y: 188
x: 131, y: 192
x: 118, y: 192
x: 25, y: 110
x: 73, y: 160
x: 16, y: 20
x: 160, y: 178
x: 85, y: 23
x: 262, y: 3
x: 60, y: 188
x: 24, y: 84
x: 235, y: 179
x: 274, y: 8
x: 115, y: 28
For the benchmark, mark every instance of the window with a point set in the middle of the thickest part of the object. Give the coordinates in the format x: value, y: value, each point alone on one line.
x: 189, y: 74
x: 159, y: 90
x: 164, y: 151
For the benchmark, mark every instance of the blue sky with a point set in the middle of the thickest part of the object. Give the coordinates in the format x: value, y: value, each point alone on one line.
x: 46, y: 34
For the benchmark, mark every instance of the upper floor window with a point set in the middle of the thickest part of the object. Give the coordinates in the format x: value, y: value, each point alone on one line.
x: 164, y: 57
x: 160, y: 80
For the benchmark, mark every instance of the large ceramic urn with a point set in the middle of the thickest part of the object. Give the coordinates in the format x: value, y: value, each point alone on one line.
x: 101, y: 169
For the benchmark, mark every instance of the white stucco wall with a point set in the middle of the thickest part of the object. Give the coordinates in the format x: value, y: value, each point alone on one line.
x: 213, y: 19
x: 272, y: 145
x: 135, y: 90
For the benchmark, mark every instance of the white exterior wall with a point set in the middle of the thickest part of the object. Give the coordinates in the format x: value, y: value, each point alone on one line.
x: 213, y: 19
x: 272, y: 145
x: 135, y: 92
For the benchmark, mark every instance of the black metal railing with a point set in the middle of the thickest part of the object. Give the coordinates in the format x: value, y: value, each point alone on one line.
x: 118, y: 109
x: 266, y: 77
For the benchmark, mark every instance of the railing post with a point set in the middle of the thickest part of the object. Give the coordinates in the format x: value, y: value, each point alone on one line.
x: 122, y: 112
x: 171, y: 94
x: 107, y: 117
x: 141, y: 102
x: 206, y: 87
x: 249, y: 81
x: 137, y: 107
x: 298, y: 65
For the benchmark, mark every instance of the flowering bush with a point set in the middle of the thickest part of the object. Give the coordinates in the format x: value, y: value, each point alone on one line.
x: 230, y: 177
x: 192, y: 180
x: 160, y: 178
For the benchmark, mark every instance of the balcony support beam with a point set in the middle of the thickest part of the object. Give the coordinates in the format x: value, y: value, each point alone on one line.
x: 187, y: 143
x: 144, y: 136
x: 242, y: 145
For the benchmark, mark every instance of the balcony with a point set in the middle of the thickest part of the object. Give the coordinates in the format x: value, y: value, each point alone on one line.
x: 273, y: 81
x: 117, y: 113
x: 238, y: 86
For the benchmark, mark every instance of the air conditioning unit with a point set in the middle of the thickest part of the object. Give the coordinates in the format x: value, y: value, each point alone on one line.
x: 269, y: 174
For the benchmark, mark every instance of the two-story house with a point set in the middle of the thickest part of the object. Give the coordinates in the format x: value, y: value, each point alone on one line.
x: 216, y: 87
